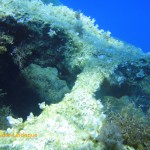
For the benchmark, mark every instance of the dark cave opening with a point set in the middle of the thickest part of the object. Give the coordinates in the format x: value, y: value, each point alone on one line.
x: 21, y: 99
x: 113, y: 90
x: 45, y: 51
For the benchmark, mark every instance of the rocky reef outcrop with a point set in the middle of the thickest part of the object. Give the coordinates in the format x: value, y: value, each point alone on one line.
x: 90, y: 87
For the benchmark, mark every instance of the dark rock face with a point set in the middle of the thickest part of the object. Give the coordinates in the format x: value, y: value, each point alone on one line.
x: 22, y: 44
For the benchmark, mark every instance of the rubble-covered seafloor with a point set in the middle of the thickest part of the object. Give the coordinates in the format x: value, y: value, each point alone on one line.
x: 93, y: 89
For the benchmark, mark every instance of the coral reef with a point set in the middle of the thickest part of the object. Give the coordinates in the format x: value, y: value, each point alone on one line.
x: 134, y: 125
x: 86, y: 78
x: 111, y: 137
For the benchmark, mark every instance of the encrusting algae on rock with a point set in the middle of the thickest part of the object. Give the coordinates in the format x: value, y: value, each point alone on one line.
x: 66, y: 60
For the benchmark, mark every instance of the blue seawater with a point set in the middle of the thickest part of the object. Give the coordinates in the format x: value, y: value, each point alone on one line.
x: 127, y: 20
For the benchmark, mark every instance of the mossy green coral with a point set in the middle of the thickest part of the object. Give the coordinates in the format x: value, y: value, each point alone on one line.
x: 46, y: 83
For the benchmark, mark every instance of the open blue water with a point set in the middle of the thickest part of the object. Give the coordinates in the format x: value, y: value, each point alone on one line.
x: 127, y: 20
